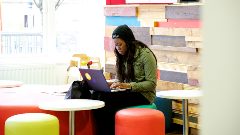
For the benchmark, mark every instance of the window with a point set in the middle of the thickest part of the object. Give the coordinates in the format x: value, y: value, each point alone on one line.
x: 21, y: 28
x: 76, y: 26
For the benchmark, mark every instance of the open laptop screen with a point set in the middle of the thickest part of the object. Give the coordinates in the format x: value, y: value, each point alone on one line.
x: 95, y: 79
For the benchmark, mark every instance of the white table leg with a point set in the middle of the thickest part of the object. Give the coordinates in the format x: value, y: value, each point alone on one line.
x: 185, y: 116
x: 71, y: 122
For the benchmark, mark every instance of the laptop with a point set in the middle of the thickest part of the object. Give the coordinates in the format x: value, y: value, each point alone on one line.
x: 96, y: 80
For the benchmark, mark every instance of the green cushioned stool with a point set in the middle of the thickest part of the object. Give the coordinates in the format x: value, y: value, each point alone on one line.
x: 32, y: 124
x: 151, y: 106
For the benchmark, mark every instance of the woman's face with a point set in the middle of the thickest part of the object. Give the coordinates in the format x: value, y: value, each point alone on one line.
x: 120, y: 46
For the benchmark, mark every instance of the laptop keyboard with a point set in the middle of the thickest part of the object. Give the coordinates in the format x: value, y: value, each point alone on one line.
x: 117, y: 89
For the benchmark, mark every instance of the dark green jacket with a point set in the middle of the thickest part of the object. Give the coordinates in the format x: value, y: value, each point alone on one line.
x: 145, y: 71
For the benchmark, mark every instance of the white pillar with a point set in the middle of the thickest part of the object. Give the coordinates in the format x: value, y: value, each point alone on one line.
x: 49, y: 30
x: 221, y: 68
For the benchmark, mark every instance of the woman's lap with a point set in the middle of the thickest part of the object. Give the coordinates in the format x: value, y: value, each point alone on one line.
x: 114, y: 101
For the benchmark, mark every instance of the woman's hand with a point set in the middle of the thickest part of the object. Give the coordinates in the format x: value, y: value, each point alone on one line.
x: 118, y: 85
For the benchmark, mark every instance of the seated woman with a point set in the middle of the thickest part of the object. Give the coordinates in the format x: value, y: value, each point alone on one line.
x: 136, y: 67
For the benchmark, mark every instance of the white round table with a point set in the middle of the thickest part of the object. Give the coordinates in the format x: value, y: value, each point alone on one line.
x: 72, y: 105
x: 10, y: 83
x: 184, y: 95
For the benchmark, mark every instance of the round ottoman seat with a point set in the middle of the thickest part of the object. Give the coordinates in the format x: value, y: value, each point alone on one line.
x: 151, y: 106
x: 32, y: 124
x: 139, y: 121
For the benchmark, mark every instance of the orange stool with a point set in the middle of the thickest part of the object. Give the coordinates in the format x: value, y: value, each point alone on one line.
x: 139, y: 121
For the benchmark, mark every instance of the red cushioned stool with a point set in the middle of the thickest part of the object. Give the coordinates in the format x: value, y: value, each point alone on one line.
x: 139, y: 121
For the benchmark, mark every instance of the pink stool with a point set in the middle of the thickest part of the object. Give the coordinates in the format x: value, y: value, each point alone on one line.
x: 139, y: 121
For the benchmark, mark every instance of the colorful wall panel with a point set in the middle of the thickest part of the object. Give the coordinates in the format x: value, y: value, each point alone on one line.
x: 173, y: 31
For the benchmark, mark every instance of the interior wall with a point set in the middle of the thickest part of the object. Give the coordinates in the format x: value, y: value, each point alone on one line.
x: 221, y: 65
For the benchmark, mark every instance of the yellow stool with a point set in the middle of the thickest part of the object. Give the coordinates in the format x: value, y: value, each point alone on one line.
x: 32, y: 124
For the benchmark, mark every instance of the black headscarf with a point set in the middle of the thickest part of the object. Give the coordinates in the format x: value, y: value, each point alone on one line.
x: 123, y: 32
